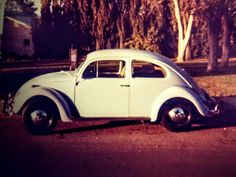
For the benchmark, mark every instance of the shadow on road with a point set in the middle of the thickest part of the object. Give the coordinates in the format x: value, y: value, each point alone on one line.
x: 226, y: 119
x: 107, y: 125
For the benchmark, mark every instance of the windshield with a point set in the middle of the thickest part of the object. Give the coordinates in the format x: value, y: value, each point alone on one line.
x: 79, y: 67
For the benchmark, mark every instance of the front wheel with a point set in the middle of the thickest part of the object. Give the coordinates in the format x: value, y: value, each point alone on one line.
x: 177, y: 115
x: 40, y: 116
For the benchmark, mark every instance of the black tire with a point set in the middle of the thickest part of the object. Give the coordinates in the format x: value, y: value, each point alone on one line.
x: 177, y: 115
x: 40, y: 116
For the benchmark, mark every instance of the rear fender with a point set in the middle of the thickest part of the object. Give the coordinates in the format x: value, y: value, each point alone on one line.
x: 24, y: 96
x: 179, y: 92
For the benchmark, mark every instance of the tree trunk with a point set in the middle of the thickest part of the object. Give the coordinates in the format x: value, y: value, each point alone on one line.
x: 183, y: 37
x: 188, y: 54
x: 2, y: 10
x: 213, y: 46
x: 120, y: 27
x: 225, y: 37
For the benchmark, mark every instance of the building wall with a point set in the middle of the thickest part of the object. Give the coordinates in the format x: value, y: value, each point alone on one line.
x: 17, y: 38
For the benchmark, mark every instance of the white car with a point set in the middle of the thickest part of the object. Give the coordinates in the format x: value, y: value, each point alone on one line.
x: 115, y: 84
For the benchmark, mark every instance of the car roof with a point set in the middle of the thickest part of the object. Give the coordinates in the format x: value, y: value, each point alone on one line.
x: 125, y: 53
x: 131, y: 53
x: 135, y: 54
x: 139, y: 55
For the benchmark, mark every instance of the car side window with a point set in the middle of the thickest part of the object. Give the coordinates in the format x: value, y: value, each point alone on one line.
x: 147, y: 70
x: 105, y: 69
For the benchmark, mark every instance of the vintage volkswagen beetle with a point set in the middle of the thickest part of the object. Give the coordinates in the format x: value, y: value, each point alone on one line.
x: 117, y: 84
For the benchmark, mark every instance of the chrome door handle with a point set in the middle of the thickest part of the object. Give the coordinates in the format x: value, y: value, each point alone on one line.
x: 124, y: 85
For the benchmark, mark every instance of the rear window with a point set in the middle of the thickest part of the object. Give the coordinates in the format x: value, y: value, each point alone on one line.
x: 147, y: 70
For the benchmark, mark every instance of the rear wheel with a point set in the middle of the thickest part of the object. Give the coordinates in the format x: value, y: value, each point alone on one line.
x: 40, y: 116
x: 177, y: 115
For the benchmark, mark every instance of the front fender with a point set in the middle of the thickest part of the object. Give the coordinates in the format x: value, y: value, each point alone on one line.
x: 179, y: 92
x: 23, y: 96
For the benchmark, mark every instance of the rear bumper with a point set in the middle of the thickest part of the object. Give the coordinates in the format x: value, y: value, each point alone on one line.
x: 215, y: 106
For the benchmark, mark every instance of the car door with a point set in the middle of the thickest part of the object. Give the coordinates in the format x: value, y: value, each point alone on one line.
x: 103, y: 90
x: 148, y: 80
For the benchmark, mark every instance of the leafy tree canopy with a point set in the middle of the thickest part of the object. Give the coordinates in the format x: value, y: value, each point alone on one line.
x: 20, y: 8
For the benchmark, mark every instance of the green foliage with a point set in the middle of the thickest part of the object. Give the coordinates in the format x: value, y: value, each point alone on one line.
x: 150, y: 26
x: 20, y: 7
x: 57, y: 29
x: 232, y: 15
x: 199, y: 39
x: 99, y: 24
x: 145, y: 24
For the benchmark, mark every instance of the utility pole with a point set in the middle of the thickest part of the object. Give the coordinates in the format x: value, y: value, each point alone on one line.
x: 2, y: 9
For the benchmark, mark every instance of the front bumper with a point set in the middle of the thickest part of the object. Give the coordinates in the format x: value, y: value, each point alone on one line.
x: 8, y: 104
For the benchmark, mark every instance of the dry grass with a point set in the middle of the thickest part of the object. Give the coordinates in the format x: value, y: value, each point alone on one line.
x: 220, y: 85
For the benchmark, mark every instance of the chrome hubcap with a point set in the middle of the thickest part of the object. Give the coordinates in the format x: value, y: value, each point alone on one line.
x: 39, y: 117
x: 178, y: 115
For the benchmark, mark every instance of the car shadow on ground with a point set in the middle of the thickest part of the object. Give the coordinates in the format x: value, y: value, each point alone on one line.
x: 226, y: 119
x: 223, y: 121
x: 98, y: 126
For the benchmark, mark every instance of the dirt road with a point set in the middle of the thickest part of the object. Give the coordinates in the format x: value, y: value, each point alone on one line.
x: 115, y: 149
